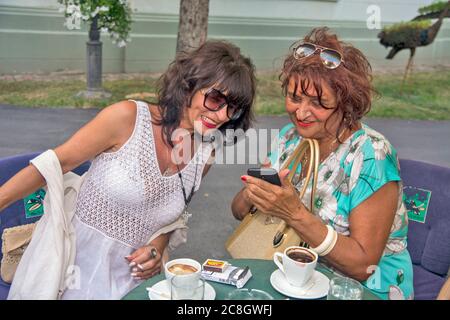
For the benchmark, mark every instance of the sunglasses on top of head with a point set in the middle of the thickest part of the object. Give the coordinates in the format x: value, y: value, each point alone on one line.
x: 215, y: 100
x: 330, y: 58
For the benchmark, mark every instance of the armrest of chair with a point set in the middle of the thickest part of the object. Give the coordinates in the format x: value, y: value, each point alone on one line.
x: 444, y: 294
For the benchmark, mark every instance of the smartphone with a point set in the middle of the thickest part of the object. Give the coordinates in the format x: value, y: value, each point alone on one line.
x: 267, y: 174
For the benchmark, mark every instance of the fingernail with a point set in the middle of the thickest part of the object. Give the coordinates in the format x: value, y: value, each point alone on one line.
x: 140, y: 267
x: 132, y: 264
x: 244, y: 178
x: 135, y: 270
x: 133, y: 274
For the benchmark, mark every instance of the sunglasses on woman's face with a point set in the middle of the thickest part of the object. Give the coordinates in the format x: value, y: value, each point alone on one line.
x: 216, y: 100
x: 330, y: 58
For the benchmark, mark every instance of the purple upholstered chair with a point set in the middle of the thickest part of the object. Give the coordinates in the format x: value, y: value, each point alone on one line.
x: 427, y: 191
x: 15, y: 215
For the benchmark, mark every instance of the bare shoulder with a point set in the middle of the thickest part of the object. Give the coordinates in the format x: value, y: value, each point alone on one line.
x: 120, y: 116
x: 106, y: 132
x: 120, y: 112
x: 119, y: 119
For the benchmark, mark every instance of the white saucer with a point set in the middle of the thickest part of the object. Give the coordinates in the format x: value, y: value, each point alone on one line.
x: 163, y: 287
x: 318, y: 290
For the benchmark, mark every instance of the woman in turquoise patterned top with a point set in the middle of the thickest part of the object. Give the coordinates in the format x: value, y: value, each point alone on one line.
x: 359, y: 190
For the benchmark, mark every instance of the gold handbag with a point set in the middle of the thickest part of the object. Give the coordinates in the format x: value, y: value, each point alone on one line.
x: 259, y: 235
x: 14, y: 242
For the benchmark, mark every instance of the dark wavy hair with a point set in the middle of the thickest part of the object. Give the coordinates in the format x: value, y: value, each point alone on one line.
x: 351, y: 82
x: 215, y: 63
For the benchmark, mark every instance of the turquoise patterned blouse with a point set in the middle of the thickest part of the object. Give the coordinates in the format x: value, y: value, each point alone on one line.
x: 348, y: 176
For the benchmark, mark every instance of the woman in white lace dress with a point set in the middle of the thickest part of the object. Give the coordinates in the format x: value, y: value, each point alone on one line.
x: 140, y: 179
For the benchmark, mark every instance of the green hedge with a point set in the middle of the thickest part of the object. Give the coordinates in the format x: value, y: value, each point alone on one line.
x: 434, y: 7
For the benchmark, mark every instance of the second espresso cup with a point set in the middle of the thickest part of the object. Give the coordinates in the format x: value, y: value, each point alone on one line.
x: 297, y: 264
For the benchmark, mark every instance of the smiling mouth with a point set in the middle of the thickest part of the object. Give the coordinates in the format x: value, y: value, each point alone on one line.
x: 303, y: 123
x: 208, y: 122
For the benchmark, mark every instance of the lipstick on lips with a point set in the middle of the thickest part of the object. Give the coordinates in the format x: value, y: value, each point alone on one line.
x: 207, y: 124
x: 304, y: 124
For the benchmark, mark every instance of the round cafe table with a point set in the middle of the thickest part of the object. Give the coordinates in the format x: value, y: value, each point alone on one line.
x: 261, y: 271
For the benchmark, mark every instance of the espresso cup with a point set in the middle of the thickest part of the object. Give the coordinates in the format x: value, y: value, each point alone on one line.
x: 297, y: 264
x: 185, y: 268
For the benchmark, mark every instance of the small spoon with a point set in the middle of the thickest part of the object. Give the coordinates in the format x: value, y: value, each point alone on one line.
x: 159, y: 293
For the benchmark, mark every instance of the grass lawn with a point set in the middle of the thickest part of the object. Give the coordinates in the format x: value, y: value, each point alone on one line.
x: 426, y: 96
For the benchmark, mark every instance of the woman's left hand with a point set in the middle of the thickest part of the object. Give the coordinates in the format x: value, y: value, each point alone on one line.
x: 145, y: 262
x: 282, y: 202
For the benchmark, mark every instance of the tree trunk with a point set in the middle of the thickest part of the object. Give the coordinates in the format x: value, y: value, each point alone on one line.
x: 193, y: 26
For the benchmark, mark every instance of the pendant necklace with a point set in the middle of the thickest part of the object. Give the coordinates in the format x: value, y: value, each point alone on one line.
x: 188, y: 198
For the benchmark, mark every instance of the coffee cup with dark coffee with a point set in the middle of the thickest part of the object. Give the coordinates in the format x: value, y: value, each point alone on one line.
x: 297, y: 264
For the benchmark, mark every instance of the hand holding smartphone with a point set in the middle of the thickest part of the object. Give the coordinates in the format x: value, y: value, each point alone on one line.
x: 267, y: 174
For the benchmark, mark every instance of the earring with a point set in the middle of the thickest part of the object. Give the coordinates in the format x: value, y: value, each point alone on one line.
x: 348, y: 119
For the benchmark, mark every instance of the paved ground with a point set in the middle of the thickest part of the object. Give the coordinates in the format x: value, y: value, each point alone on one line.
x: 24, y: 130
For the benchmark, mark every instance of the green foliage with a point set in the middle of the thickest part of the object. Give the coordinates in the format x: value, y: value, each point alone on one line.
x: 436, y: 6
x: 404, y: 32
x: 114, y: 16
x: 407, y: 26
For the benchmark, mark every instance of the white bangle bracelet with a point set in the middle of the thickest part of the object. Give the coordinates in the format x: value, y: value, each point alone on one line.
x: 326, y: 242
x: 333, y: 243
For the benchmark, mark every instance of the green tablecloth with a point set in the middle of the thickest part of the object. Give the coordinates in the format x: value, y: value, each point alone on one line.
x: 261, y: 271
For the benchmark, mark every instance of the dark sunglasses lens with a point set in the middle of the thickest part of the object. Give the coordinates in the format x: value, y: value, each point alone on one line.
x: 234, y: 113
x: 330, y: 58
x: 304, y: 50
x: 214, y: 100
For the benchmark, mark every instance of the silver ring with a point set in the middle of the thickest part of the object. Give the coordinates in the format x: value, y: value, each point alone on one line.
x: 153, y: 253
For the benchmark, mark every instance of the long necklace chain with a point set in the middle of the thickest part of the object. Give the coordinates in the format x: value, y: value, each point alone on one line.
x: 167, y: 172
x: 188, y: 198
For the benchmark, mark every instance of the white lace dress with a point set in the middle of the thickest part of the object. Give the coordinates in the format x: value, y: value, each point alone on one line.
x: 123, y: 201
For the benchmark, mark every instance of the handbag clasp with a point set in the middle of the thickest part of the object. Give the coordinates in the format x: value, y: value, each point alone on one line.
x: 278, y: 239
